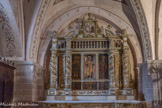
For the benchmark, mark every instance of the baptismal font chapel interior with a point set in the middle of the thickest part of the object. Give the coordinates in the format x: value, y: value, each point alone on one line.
x: 80, y: 54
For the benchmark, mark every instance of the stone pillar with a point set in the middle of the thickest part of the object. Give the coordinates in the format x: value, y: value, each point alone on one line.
x: 140, y: 96
x: 23, y: 81
x: 147, y: 87
x: 28, y: 82
x: 68, y: 74
x: 53, y: 68
x: 38, y: 83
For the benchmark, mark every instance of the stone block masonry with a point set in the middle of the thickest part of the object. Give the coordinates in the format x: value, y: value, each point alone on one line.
x: 28, y: 82
x: 23, y: 81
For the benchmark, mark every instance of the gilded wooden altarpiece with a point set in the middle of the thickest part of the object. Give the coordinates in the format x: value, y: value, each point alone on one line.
x: 90, y: 62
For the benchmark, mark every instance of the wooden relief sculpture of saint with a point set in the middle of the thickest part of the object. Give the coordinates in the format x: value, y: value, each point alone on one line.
x: 117, y: 70
x: 76, y: 67
x: 61, y: 71
x: 89, y: 66
x: 103, y: 66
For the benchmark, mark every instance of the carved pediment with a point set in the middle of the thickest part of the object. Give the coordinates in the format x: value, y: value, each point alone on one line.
x: 85, y: 27
x: 91, y: 26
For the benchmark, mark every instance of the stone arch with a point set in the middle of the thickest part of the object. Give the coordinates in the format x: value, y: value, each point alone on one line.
x: 144, y: 31
x: 58, y: 25
x: 146, y: 45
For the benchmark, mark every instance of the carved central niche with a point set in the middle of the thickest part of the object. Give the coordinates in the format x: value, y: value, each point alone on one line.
x: 90, y: 58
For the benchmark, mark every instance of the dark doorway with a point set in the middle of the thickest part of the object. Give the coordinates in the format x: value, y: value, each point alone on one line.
x: 2, y: 87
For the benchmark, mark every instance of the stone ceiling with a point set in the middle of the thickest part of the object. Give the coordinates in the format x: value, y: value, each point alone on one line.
x: 40, y: 18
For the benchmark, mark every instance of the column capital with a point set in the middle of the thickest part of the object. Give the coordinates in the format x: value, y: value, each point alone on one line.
x: 153, y: 66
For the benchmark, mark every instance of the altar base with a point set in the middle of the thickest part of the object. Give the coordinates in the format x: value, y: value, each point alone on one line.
x: 93, y: 104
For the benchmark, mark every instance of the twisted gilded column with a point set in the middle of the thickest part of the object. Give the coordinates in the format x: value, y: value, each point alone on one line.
x: 68, y: 73
x: 53, y: 67
x: 118, y: 78
x: 126, y: 69
x: 111, y: 70
x: 126, y: 64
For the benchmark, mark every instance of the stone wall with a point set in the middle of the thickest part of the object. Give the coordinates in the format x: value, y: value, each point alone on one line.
x: 38, y: 83
x: 23, y: 81
x: 29, y: 83
x: 146, y: 85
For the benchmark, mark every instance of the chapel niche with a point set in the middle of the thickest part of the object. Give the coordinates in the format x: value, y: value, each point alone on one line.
x: 90, y: 59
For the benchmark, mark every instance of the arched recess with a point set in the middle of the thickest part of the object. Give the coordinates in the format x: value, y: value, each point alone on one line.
x: 37, y: 32
x: 58, y: 25
x: 134, y: 55
x: 74, y: 24
x: 10, y: 41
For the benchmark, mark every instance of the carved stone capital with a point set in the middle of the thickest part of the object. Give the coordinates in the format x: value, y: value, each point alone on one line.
x: 155, y: 68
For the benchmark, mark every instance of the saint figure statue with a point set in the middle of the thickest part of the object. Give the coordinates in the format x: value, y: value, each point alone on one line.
x: 89, y: 73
